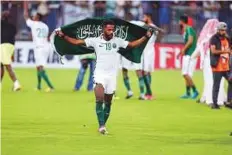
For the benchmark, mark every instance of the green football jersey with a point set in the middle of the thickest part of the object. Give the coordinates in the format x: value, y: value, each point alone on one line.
x: 189, y: 31
x: 88, y: 56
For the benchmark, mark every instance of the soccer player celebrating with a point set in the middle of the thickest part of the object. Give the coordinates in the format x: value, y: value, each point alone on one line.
x: 40, y: 38
x: 105, y: 73
x: 188, y: 64
x: 143, y: 69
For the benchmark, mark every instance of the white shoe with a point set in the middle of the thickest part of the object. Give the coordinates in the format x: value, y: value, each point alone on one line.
x: 48, y: 90
x: 102, y: 130
x: 17, y: 88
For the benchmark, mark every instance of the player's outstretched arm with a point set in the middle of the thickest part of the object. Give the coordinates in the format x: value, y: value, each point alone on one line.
x: 158, y: 28
x: 69, y: 39
x: 25, y: 7
x: 141, y: 40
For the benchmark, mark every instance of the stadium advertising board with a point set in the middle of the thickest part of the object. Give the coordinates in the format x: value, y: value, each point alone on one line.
x: 24, y: 57
x: 165, y: 57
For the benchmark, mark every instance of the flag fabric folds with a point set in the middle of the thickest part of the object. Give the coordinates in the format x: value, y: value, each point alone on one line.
x: 91, y: 27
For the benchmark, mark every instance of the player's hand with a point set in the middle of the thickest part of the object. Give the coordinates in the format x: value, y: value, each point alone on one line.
x: 178, y: 55
x: 60, y: 33
x: 182, y: 51
x: 149, y: 33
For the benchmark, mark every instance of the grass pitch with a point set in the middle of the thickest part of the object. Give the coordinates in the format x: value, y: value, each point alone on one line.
x: 64, y: 122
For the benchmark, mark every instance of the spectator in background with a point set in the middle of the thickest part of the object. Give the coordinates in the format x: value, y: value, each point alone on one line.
x: 211, y: 9
x: 86, y: 60
x: 125, y: 8
x: 99, y: 8
x: 219, y: 59
x: 8, y: 32
x: 152, y: 8
x: 110, y: 8
x: 225, y: 14
x: 165, y: 13
x: 74, y: 11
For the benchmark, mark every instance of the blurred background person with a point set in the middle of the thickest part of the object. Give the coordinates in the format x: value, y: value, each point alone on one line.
x: 86, y: 60
x: 8, y: 32
x: 40, y: 34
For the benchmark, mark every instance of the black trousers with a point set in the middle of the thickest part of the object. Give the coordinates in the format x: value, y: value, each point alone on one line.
x: 217, y: 76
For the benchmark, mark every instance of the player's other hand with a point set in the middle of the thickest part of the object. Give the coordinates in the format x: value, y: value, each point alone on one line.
x: 149, y: 33
x: 60, y: 33
x: 180, y: 54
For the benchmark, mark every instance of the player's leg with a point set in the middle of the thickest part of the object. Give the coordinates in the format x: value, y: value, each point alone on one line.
x: 110, y: 87
x: 2, y: 71
x: 39, y: 78
x: 81, y: 74
x: 148, y: 85
x: 41, y: 55
x: 99, y: 96
x: 149, y: 77
x: 148, y: 66
x: 127, y: 83
x: 107, y: 107
x: 192, y: 66
x: 185, y: 71
x: 141, y: 84
x: 217, y: 76
x: 7, y: 51
x: 13, y: 77
x: 43, y: 75
x: 91, y: 69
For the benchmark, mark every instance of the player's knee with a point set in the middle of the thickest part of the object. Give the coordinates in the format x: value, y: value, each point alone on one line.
x: 99, y: 92
x: 124, y: 72
x: 40, y: 68
x: 99, y: 101
x: 8, y: 67
x: 139, y: 73
x: 185, y: 76
x: 85, y: 65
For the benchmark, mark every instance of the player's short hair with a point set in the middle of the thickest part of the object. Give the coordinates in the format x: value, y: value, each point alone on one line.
x: 184, y: 19
x: 148, y: 14
x: 107, y: 22
x: 40, y: 16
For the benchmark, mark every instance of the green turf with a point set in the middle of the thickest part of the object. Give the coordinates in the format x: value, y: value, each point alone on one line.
x: 64, y: 122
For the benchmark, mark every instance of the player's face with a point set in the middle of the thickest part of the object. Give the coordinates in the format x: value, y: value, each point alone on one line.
x: 35, y: 18
x: 145, y: 19
x: 109, y: 31
x: 181, y: 24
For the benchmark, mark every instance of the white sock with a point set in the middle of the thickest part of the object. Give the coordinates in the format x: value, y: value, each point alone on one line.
x: 130, y: 92
x: 16, y: 83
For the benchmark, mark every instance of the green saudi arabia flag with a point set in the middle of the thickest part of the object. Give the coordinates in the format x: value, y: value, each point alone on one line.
x: 91, y: 27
